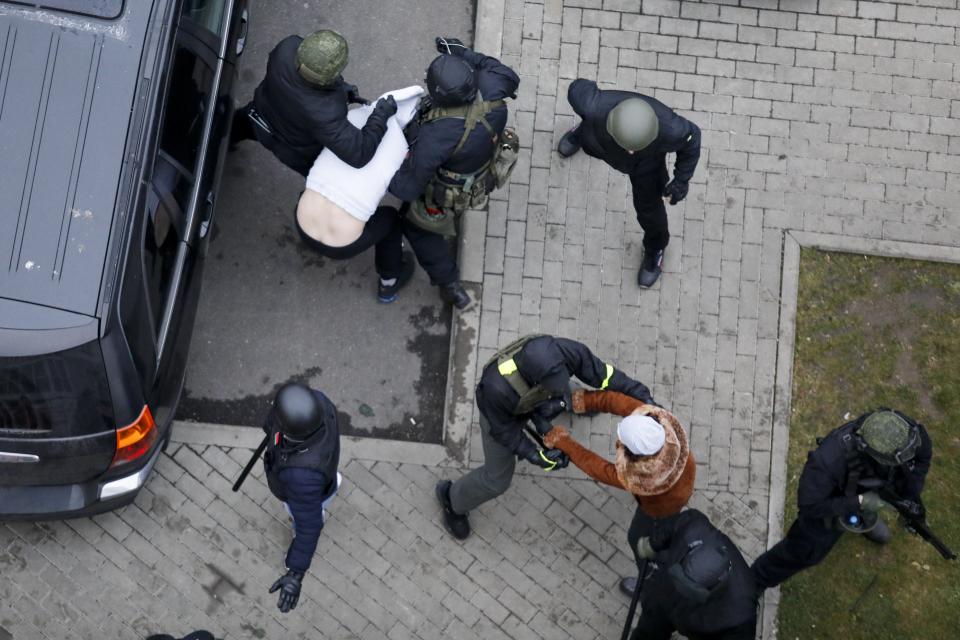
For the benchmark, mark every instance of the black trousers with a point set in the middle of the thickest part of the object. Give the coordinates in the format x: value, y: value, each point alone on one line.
x: 807, y: 543
x: 243, y: 128
x: 382, y: 232
x: 656, y: 626
x: 648, y: 202
x: 433, y: 253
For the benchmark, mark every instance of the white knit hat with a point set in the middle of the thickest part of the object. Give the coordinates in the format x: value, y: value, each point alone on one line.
x: 642, y: 435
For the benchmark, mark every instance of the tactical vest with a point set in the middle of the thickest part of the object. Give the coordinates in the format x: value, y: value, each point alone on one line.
x: 530, y: 397
x: 450, y: 193
x: 320, y: 452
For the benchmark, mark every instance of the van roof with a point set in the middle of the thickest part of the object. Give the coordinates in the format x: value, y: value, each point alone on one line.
x: 67, y: 86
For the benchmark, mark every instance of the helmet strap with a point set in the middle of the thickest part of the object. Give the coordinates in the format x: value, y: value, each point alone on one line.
x: 310, y: 76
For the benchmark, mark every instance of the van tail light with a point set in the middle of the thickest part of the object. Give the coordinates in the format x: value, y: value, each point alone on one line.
x: 135, y: 439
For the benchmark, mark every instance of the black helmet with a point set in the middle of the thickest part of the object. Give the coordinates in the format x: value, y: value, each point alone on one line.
x: 451, y: 81
x: 298, y: 411
x: 541, y: 362
x: 702, y: 570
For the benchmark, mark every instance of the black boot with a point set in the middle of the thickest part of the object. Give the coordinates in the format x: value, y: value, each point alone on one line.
x: 387, y: 293
x: 569, y: 143
x: 650, y: 268
x: 455, y: 294
x: 629, y: 584
x: 458, y: 525
x: 880, y: 534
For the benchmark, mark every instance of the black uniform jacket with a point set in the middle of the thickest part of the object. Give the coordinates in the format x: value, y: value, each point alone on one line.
x: 496, y: 399
x: 824, y: 478
x: 733, y: 606
x: 433, y: 143
x: 307, y: 118
x: 305, y: 488
x: 677, y: 134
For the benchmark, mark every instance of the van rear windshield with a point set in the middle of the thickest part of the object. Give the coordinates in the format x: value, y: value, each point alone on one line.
x: 108, y: 9
x: 63, y: 393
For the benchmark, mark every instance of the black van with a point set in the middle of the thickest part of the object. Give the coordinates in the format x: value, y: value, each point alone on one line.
x: 114, y: 121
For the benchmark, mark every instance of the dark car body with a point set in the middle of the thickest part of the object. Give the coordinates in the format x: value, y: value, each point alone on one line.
x: 114, y: 121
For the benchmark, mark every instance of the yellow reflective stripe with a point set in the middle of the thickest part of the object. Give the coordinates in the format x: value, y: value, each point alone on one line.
x: 508, y: 367
x: 606, y: 380
x: 552, y: 463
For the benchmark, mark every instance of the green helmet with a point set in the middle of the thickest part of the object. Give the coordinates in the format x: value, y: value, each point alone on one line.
x: 889, y: 438
x: 321, y: 57
x: 633, y: 124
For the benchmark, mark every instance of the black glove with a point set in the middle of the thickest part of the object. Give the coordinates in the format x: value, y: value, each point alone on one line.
x: 353, y: 94
x: 450, y: 45
x: 677, y: 190
x: 424, y: 106
x: 550, y: 459
x: 289, y: 586
x: 915, y: 509
x: 386, y: 107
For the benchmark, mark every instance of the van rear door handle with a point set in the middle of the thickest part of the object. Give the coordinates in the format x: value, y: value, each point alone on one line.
x: 242, y: 38
x: 207, y: 214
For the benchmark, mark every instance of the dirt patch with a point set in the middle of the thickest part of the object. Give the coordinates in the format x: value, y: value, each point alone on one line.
x: 894, y: 312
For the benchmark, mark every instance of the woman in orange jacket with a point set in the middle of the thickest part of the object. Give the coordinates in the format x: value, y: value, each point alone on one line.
x: 653, y: 459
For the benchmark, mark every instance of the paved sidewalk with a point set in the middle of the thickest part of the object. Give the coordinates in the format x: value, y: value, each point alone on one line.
x: 190, y: 553
x: 830, y: 118
x: 836, y: 117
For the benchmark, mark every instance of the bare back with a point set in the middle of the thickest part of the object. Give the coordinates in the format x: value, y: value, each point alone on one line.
x: 325, y: 222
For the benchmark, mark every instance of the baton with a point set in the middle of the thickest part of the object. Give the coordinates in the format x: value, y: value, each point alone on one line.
x: 633, y: 601
x: 253, y: 460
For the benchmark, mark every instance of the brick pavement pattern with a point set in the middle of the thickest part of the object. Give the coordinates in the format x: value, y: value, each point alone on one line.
x: 835, y: 116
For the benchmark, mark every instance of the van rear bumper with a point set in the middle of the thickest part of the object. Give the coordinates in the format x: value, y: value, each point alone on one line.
x: 61, y: 502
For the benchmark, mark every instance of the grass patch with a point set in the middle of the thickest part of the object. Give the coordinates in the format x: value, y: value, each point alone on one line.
x: 875, y: 332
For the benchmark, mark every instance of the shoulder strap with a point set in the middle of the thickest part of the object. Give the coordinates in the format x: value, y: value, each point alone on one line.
x: 855, y: 466
x: 508, y: 369
x: 472, y: 114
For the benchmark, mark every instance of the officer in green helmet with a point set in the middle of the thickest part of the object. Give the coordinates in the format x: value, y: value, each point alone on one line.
x: 838, y: 491
x: 300, y: 107
x: 633, y: 133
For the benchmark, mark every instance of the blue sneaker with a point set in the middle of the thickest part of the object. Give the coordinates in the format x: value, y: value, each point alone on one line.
x: 387, y: 293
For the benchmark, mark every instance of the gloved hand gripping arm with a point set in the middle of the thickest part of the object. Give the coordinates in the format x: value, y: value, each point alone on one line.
x: 548, y: 459
x: 584, y: 459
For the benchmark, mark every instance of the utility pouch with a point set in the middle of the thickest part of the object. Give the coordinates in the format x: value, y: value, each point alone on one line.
x: 504, y: 159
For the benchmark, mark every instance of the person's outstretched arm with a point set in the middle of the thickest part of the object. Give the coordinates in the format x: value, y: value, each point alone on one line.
x: 356, y: 146
x: 586, y: 460
x: 596, y: 373
x: 308, y: 489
